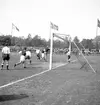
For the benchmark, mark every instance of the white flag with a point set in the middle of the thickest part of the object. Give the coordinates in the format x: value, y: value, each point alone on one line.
x: 13, y: 26
x: 53, y: 26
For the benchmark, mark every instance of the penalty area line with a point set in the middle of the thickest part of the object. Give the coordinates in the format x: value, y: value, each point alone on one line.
x: 14, y: 82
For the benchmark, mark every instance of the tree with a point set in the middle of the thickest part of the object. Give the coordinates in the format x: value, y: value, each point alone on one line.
x: 38, y: 42
x: 76, y: 41
x: 87, y: 43
x: 28, y: 40
x: 5, y: 40
x: 96, y: 42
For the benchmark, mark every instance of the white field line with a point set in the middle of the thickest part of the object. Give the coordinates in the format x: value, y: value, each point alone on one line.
x: 13, y: 82
x: 61, y: 87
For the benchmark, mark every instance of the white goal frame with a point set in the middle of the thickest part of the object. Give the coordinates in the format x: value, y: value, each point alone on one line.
x: 58, y: 35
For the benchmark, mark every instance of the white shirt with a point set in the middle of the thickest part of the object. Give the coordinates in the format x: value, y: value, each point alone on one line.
x: 20, y: 52
x: 37, y: 51
x: 28, y: 53
x: 6, y: 50
x: 69, y: 52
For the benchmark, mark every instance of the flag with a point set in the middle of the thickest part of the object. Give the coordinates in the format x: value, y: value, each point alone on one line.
x: 53, y: 26
x: 98, y: 23
x: 13, y: 26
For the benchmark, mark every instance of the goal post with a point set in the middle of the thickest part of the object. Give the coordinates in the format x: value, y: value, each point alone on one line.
x: 51, y: 51
x: 59, y: 36
x: 81, y: 59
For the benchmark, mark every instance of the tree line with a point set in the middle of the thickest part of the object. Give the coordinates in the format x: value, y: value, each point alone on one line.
x: 37, y: 41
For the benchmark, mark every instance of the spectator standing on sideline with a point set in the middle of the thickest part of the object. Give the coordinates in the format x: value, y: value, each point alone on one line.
x: 22, y: 58
x: 5, y: 56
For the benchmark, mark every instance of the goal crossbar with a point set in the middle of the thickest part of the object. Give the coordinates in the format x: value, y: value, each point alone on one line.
x: 51, y: 45
x: 59, y: 36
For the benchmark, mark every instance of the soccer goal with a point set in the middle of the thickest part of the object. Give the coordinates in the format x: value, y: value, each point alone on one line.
x: 60, y: 45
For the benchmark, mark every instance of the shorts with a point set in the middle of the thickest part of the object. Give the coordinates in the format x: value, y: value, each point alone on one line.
x: 22, y: 58
x: 28, y: 57
x: 69, y: 57
x: 43, y: 55
x: 38, y: 55
x: 6, y: 57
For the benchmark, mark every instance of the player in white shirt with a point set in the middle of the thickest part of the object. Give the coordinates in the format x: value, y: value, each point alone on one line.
x: 28, y: 56
x: 43, y: 54
x: 38, y: 53
x: 5, y: 57
x: 22, y: 58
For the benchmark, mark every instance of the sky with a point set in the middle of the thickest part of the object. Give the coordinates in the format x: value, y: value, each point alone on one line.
x: 73, y: 17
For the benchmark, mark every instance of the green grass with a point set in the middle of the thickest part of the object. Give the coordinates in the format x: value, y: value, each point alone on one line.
x: 66, y: 85
x: 19, y: 72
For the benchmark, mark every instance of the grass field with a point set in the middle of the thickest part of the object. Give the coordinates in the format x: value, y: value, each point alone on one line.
x: 64, y: 85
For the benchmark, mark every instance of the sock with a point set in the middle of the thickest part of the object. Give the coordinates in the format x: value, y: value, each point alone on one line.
x: 30, y: 61
x: 2, y: 66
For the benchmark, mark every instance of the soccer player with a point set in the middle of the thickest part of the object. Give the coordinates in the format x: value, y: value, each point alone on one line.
x: 22, y: 58
x: 5, y: 56
x: 69, y: 55
x: 38, y: 53
x: 47, y: 49
x: 28, y: 56
x: 69, y: 50
x: 43, y: 54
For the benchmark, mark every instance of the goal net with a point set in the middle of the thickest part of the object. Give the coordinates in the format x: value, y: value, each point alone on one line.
x: 60, y: 45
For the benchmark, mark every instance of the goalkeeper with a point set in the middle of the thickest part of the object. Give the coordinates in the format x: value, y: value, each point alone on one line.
x: 69, y: 55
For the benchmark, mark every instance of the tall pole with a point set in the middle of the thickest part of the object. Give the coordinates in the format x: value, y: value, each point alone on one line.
x: 84, y: 57
x: 51, y: 48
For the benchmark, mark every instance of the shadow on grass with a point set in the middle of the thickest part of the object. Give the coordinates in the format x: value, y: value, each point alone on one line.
x: 12, y: 97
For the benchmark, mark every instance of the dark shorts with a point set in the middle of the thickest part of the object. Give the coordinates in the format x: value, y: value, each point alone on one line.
x: 38, y: 55
x: 28, y: 57
x: 6, y: 57
x: 68, y: 56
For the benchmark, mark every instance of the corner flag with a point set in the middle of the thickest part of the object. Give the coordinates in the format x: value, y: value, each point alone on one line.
x: 13, y: 26
x: 53, y: 26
